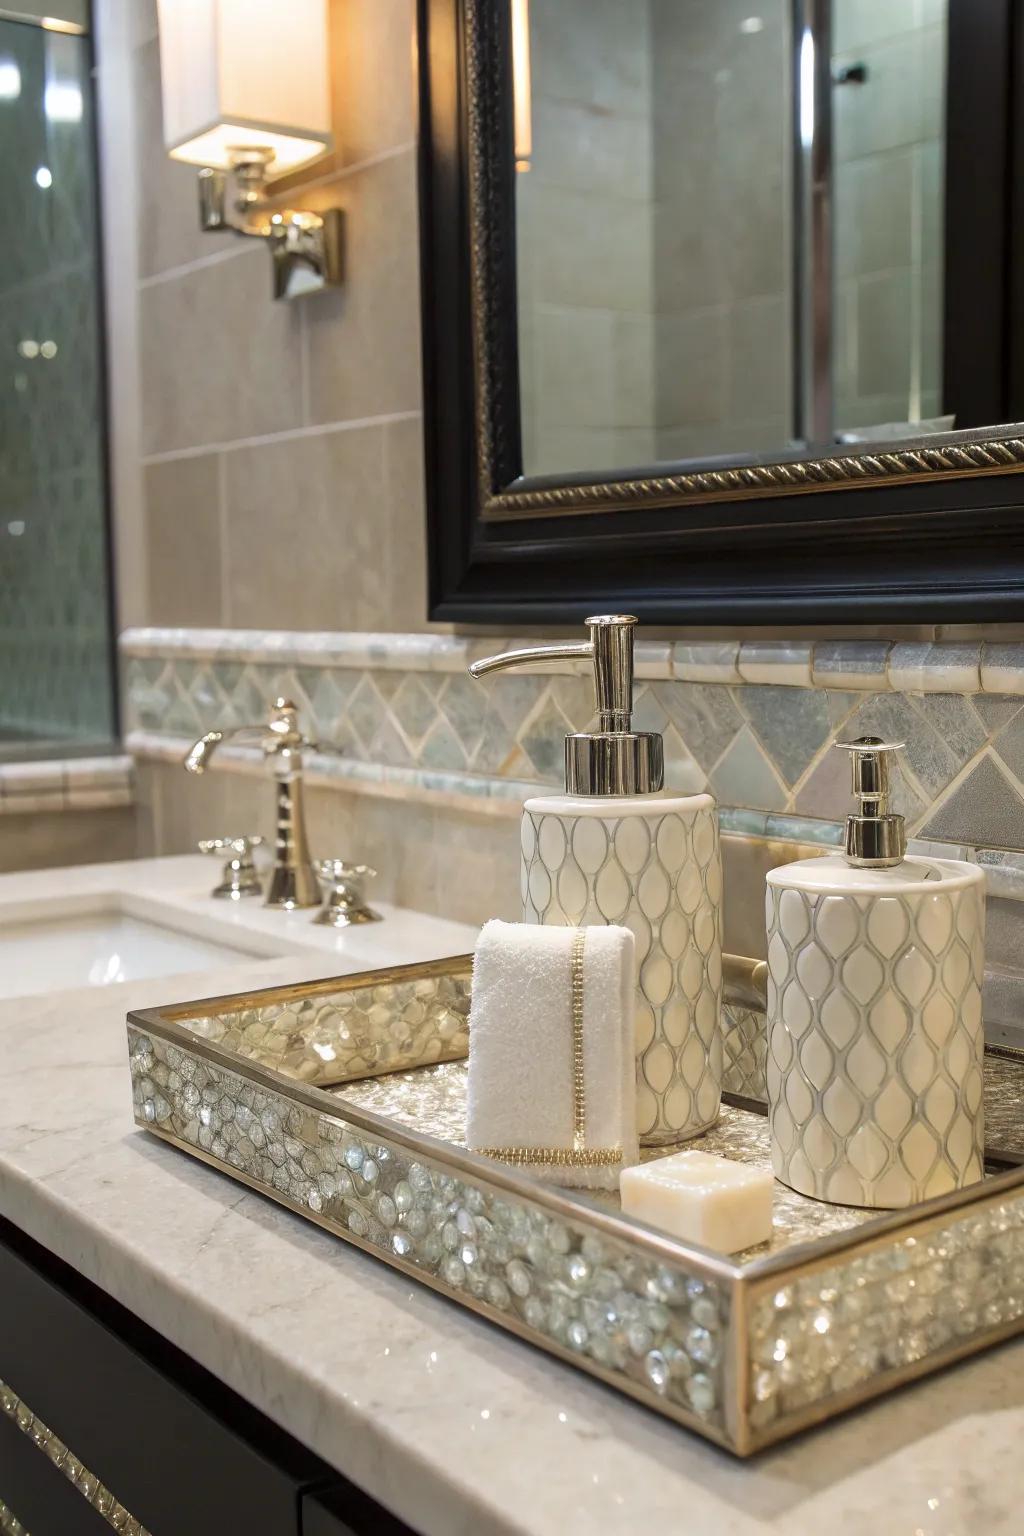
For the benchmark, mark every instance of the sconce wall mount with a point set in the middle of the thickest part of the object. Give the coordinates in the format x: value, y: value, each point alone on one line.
x: 306, y: 248
x: 246, y: 97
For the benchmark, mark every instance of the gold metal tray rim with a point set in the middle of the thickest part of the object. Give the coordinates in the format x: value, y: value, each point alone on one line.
x: 745, y: 1283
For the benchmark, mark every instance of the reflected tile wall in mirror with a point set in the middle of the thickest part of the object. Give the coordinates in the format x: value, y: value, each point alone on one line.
x: 660, y: 223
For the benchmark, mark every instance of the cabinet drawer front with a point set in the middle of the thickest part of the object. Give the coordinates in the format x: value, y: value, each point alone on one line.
x: 38, y: 1494
x: 179, y: 1450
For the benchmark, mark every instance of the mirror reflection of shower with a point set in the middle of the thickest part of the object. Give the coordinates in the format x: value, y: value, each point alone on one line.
x: 868, y: 212
x: 730, y: 238
x: 56, y: 685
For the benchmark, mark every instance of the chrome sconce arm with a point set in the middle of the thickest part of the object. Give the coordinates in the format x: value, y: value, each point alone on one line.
x: 306, y: 248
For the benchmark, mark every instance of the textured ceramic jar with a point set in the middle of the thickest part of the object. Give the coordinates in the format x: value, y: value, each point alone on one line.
x: 875, y: 1038
x: 653, y: 865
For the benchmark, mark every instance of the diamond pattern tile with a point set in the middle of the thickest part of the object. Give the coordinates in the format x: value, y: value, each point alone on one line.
x: 716, y: 737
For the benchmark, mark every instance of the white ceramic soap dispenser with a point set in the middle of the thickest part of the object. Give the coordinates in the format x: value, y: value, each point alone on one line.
x: 875, y: 1038
x: 615, y: 849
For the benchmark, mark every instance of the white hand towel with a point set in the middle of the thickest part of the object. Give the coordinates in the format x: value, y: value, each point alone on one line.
x: 538, y: 1083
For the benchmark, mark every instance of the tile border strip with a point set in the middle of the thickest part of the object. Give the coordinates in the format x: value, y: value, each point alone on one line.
x: 454, y: 791
x: 407, y: 721
x: 866, y: 666
x: 502, y: 798
x: 66, y: 784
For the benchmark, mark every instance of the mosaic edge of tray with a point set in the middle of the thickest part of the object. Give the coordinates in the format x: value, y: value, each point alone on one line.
x: 742, y: 1433
x: 429, y: 1096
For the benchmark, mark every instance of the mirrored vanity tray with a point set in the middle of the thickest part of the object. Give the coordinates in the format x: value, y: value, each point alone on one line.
x: 345, y: 1101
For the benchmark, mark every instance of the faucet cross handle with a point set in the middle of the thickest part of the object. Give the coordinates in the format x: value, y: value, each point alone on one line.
x: 344, y: 902
x: 239, y: 876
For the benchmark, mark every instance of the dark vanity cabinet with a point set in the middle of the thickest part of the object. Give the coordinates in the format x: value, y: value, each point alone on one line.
x: 96, y: 1407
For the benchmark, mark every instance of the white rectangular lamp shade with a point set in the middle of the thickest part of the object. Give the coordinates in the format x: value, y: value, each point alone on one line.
x: 244, y: 74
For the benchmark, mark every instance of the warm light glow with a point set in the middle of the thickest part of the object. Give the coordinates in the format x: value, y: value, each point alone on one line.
x: 56, y: 24
x: 62, y: 101
x: 522, y: 107
x: 245, y: 74
x: 215, y: 147
x: 10, y: 79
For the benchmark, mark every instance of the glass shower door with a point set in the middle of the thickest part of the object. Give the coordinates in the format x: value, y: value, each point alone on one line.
x: 56, y: 673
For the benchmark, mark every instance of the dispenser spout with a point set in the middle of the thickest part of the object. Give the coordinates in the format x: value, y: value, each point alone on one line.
x: 614, y: 759
x: 576, y: 651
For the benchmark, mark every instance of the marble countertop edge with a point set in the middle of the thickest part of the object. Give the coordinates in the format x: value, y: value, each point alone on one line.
x: 441, y: 1417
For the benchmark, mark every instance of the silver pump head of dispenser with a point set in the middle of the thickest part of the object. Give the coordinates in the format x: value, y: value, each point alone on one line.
x: 876, y: 838
x: 614, y: 759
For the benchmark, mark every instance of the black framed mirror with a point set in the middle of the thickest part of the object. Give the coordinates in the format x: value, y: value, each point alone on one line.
x: 722, y: 321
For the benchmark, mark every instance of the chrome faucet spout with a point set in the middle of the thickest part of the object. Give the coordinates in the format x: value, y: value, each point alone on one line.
x: 201, y: 751
x: 293, y: 882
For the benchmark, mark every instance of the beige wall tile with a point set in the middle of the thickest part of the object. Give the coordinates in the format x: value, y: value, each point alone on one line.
x: 464, y: 867
x: 220, y: 359
x: 477, y: 868
x: 306, y: 526
x: 406, y: 605
x: 397, y: 839
x: 183, y: 553
x: 166, y: 195
x: 363, y: 341
x: 373, y: 85
x: 47, y: 839
x: 219, y: 803
x: 147, y: 793
x: 331, y: 820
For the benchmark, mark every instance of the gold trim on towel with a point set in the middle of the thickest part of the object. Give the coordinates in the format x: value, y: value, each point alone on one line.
x: 579, y: 1155
x: 559, y: 1157
x: 579, y: 1097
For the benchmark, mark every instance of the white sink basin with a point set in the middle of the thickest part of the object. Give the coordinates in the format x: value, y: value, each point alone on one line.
x: 95, y: 944
x: 105, y: 924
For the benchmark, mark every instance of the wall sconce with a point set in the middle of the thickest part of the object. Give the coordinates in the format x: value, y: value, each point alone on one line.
x: 521, y: 106
x: 246, y: 98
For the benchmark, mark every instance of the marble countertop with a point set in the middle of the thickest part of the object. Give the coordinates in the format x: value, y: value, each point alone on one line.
x: 460, y: 1429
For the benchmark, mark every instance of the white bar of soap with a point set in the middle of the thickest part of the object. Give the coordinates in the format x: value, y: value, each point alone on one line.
x: 702, y: 1199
